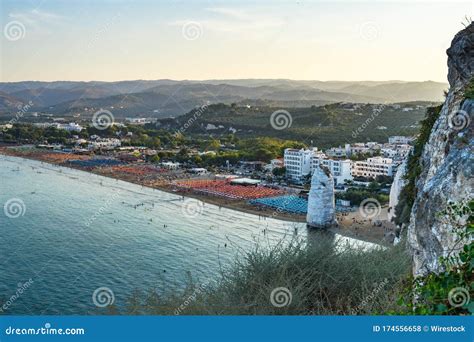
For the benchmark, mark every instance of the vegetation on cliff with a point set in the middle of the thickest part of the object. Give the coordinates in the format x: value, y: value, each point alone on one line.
x: 452, y: 290
x: 408, y: 193
x: 469, y: 92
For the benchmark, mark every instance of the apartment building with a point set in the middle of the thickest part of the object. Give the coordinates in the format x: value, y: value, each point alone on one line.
x: 398, y: 139
x: 373, y: 167
x: 339, y: 152
x: 300, y: 163
x: 396, y: 152
x: 297, y: 163
x: 340, y: 169
x: 365, y: 148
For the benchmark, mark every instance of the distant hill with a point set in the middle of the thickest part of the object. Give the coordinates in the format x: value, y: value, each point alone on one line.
x: 325, y: 125
x: 45, y: 97
x: 9, y: 102
x: 389, y: 91
x: 169, y: 98
x: 400, y: 92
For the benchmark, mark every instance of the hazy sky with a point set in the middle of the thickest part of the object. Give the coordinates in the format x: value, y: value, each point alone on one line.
x: 117, y: 40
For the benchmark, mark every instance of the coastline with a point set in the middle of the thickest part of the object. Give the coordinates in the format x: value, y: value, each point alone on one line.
x: 351, y: 225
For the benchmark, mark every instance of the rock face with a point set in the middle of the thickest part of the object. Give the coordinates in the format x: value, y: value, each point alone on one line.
x: 321, y: 206
x: 447, y: 163
x: 397, y: 186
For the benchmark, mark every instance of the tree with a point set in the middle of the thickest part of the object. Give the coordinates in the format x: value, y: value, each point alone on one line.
x: 214, y: 144
x: 263, y: 154
x: 307, y: 179
x: 154, y: 159
x: 279, y: 171
x: 384, y: 179
x: 373, y: 186
x: 156, y: 143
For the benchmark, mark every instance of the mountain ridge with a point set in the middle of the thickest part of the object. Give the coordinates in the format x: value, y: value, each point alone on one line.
x: 174, y: 98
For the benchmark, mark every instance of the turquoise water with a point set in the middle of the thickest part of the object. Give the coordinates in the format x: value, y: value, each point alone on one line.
x: 81, y: 231
x: 76, y: 232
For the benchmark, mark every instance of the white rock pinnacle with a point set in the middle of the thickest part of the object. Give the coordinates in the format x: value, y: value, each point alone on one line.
x: 321, y: 206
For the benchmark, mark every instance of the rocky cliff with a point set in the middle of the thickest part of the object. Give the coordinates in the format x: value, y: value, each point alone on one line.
x: 446, y: 162
x: 398, y: 183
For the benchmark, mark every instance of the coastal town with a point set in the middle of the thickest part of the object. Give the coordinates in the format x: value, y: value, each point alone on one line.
x: 269, y: 187
x: 164, y: 164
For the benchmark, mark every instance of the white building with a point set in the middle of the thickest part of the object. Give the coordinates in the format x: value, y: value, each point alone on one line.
x: 80, y: 141
x: 6, y: 126
x: 198, y: 170
x: 359, y: 148
x: 105, y: 143
x: 373, y: 167
x: 278, y: 162
x: 274, y: 164
x: 340, y: 169
x: 136, y: 121
x: 170, y: 165
x: 396, y: 152
x: 398, y: 139
x: 70, y: 127
x: 297, y: 163
x: 300, y: 163
x: 364, y: 148
x: 339, y: 152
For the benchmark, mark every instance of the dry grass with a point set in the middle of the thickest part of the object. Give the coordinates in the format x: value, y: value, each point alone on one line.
x: 323, y: 279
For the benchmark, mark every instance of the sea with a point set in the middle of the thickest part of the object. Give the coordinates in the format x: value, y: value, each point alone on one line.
x: 66, y: 235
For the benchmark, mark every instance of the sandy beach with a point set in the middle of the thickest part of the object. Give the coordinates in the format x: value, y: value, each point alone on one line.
x: 350, y: 224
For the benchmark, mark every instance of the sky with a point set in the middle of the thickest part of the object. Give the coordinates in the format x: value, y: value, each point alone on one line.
x: 305, y: 40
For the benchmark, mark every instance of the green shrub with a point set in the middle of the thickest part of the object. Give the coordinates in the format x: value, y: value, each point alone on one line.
x: 357, y: 195
x: 323, y: 277
x: 451, y: 291
x: 408, y: 193
x: 469, y: 92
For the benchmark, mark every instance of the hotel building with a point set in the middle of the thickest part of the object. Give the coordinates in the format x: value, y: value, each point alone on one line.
x: 373, y: 167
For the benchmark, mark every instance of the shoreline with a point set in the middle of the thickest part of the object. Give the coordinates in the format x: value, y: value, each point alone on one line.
x: 346, y: 227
